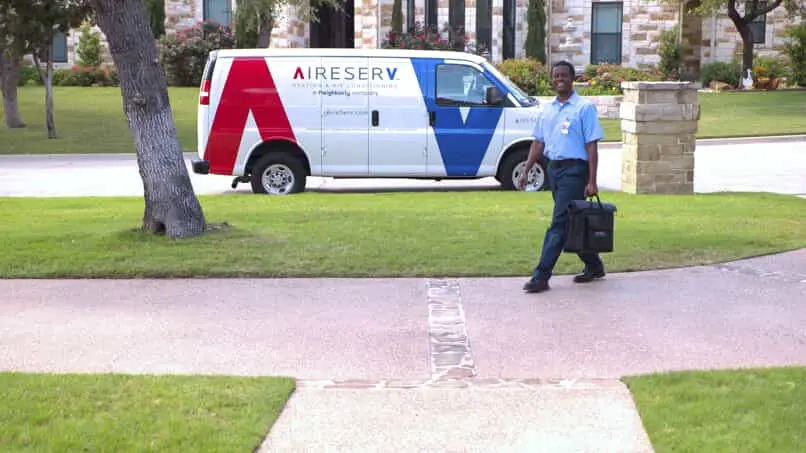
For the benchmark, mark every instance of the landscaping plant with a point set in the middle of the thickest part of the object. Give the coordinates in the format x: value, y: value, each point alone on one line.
x: 184, y: 54
x: 535, y: 45
x: 795, y: 50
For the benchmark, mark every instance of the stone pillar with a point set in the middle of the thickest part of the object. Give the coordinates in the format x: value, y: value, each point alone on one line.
x: 659, y: 126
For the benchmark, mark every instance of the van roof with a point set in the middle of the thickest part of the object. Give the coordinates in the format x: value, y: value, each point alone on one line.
x: 347, y: 52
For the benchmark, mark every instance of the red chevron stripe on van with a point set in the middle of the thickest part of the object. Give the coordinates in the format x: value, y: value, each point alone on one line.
x: 249, y: 86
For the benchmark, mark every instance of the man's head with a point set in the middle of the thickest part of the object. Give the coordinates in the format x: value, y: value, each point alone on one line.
x: 562, y: 76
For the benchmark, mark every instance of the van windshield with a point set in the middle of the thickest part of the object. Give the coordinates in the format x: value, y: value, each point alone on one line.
x: 523, y: 99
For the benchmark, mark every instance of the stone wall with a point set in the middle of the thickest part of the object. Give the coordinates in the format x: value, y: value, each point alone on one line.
x: 288, y: 30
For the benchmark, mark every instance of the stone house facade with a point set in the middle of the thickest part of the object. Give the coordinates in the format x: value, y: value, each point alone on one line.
x: 624, y: 32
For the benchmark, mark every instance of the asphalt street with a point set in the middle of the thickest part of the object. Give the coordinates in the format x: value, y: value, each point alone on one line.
x: 774, y: 165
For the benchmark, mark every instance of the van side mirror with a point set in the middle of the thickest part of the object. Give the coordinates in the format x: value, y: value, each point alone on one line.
x: 494, y: 96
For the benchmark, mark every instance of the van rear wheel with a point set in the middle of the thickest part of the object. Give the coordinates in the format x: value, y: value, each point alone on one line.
x: 278, y: 174
x: 512, y: 168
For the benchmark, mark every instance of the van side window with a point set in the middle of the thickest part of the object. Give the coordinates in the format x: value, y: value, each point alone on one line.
x: 461, y: 86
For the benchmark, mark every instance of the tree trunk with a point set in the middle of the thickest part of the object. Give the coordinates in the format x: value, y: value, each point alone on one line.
x: 264, y: 35
x: 47, y: 81
x: 747, y: 46
x: 171, y: 205
x: 50, y: 121
x: 9, y: 79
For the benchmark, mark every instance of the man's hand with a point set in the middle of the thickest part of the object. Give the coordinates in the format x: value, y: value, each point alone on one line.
x: 523, y: 179
x: 591, y: 189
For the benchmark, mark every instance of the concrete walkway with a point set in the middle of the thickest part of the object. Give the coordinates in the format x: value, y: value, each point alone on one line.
x: 424, y: 365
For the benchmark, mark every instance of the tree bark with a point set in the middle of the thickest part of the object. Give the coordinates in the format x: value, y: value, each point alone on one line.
x: 747, y: 46
x: 264, y: 35
x: 47, y: 80
x: 9, y: 79
x: 171, y: 205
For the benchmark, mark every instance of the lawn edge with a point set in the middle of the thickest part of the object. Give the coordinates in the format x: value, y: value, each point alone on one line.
x: 160, y: 276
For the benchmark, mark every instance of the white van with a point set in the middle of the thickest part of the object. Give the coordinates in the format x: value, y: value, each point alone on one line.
x: 272, y: 117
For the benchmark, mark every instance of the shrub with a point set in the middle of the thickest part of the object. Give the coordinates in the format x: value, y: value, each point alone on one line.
x: 28, y: 76
x: 767, y: 69
x: 795, y: 49
x: 423, y: 38
x: 90, y: 50
x: 720, y: 71
x: 670, y: 49
x: 86, y: 76
x: 529, y: 74
x: 607, y: 78
x: 184, y: 54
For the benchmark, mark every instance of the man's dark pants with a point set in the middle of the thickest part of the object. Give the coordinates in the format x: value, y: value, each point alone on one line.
x: 567, y: 181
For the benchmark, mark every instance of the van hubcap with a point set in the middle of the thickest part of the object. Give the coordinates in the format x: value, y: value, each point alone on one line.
x: 534, y: 180
x: 278, y: 179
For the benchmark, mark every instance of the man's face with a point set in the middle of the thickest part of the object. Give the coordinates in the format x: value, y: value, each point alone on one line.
x: 561, y: 76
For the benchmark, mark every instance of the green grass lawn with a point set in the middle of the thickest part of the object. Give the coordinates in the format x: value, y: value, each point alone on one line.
x: 491, y: 233
x: 104, y: 412
x: 90, y: 120
x: 747, y: 411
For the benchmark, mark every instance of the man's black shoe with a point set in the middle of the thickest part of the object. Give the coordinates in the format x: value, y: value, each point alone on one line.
x: 587, y: 276
x: 536, y: 286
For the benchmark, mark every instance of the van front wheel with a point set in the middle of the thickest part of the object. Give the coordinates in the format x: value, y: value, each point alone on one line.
x: 278, y: 174
x: 512, y: 168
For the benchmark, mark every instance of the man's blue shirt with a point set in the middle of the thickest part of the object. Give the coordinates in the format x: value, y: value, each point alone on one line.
x: 565, y: 128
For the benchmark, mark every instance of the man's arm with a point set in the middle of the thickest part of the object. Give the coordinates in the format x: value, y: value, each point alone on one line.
x: 592, y: 131
x: 592, y: 148
x: 535, y: 153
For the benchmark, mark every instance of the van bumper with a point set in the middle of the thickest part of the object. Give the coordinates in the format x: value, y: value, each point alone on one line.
x: 200, y: 167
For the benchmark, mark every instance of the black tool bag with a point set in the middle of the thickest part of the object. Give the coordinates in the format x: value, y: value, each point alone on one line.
x: 590, y: 227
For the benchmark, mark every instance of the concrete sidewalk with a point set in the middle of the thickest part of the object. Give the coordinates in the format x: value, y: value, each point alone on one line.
x: 424, y: 364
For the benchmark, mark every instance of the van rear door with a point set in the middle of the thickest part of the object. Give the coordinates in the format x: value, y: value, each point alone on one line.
x: 204, y: 112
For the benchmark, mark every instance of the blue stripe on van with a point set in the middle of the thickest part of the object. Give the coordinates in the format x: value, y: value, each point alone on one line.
x: 461, y: 144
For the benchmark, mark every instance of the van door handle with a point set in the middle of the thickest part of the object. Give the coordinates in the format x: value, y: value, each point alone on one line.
x: 432, y: 118
x: 374, y: 117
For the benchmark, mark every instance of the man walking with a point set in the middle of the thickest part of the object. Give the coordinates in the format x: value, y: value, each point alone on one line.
x: 568, y: 132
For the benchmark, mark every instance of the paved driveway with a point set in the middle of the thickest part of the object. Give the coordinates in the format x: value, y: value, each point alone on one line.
x: 736, y: 165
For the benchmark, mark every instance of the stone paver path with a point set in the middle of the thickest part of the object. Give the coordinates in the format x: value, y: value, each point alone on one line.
x: 424, y: 365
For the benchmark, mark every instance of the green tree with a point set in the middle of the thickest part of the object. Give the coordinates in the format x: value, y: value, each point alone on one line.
x: 535, y: 44
x: 397, y: 16
x: 751, y: 9
x: 14, y: 45
x: 32, y: 25
x: 90, y: 50
x: 156, y: 17
x: 254, y: 19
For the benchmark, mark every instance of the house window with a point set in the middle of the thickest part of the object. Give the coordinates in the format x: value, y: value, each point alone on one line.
x: 509, y: 29
x: 484, y: 25
x: 606, y: 33
x: 461, y: 86
x: 759, y: 25
x: 58, y: 48
x: 431, y: 14
x: 217, y: 11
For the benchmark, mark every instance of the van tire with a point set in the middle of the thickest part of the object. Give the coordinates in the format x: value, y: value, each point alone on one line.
x: 288, y: 174
x: 509, y: 167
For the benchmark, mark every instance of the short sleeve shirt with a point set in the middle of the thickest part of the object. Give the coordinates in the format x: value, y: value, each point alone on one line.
x: 565, y: 128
